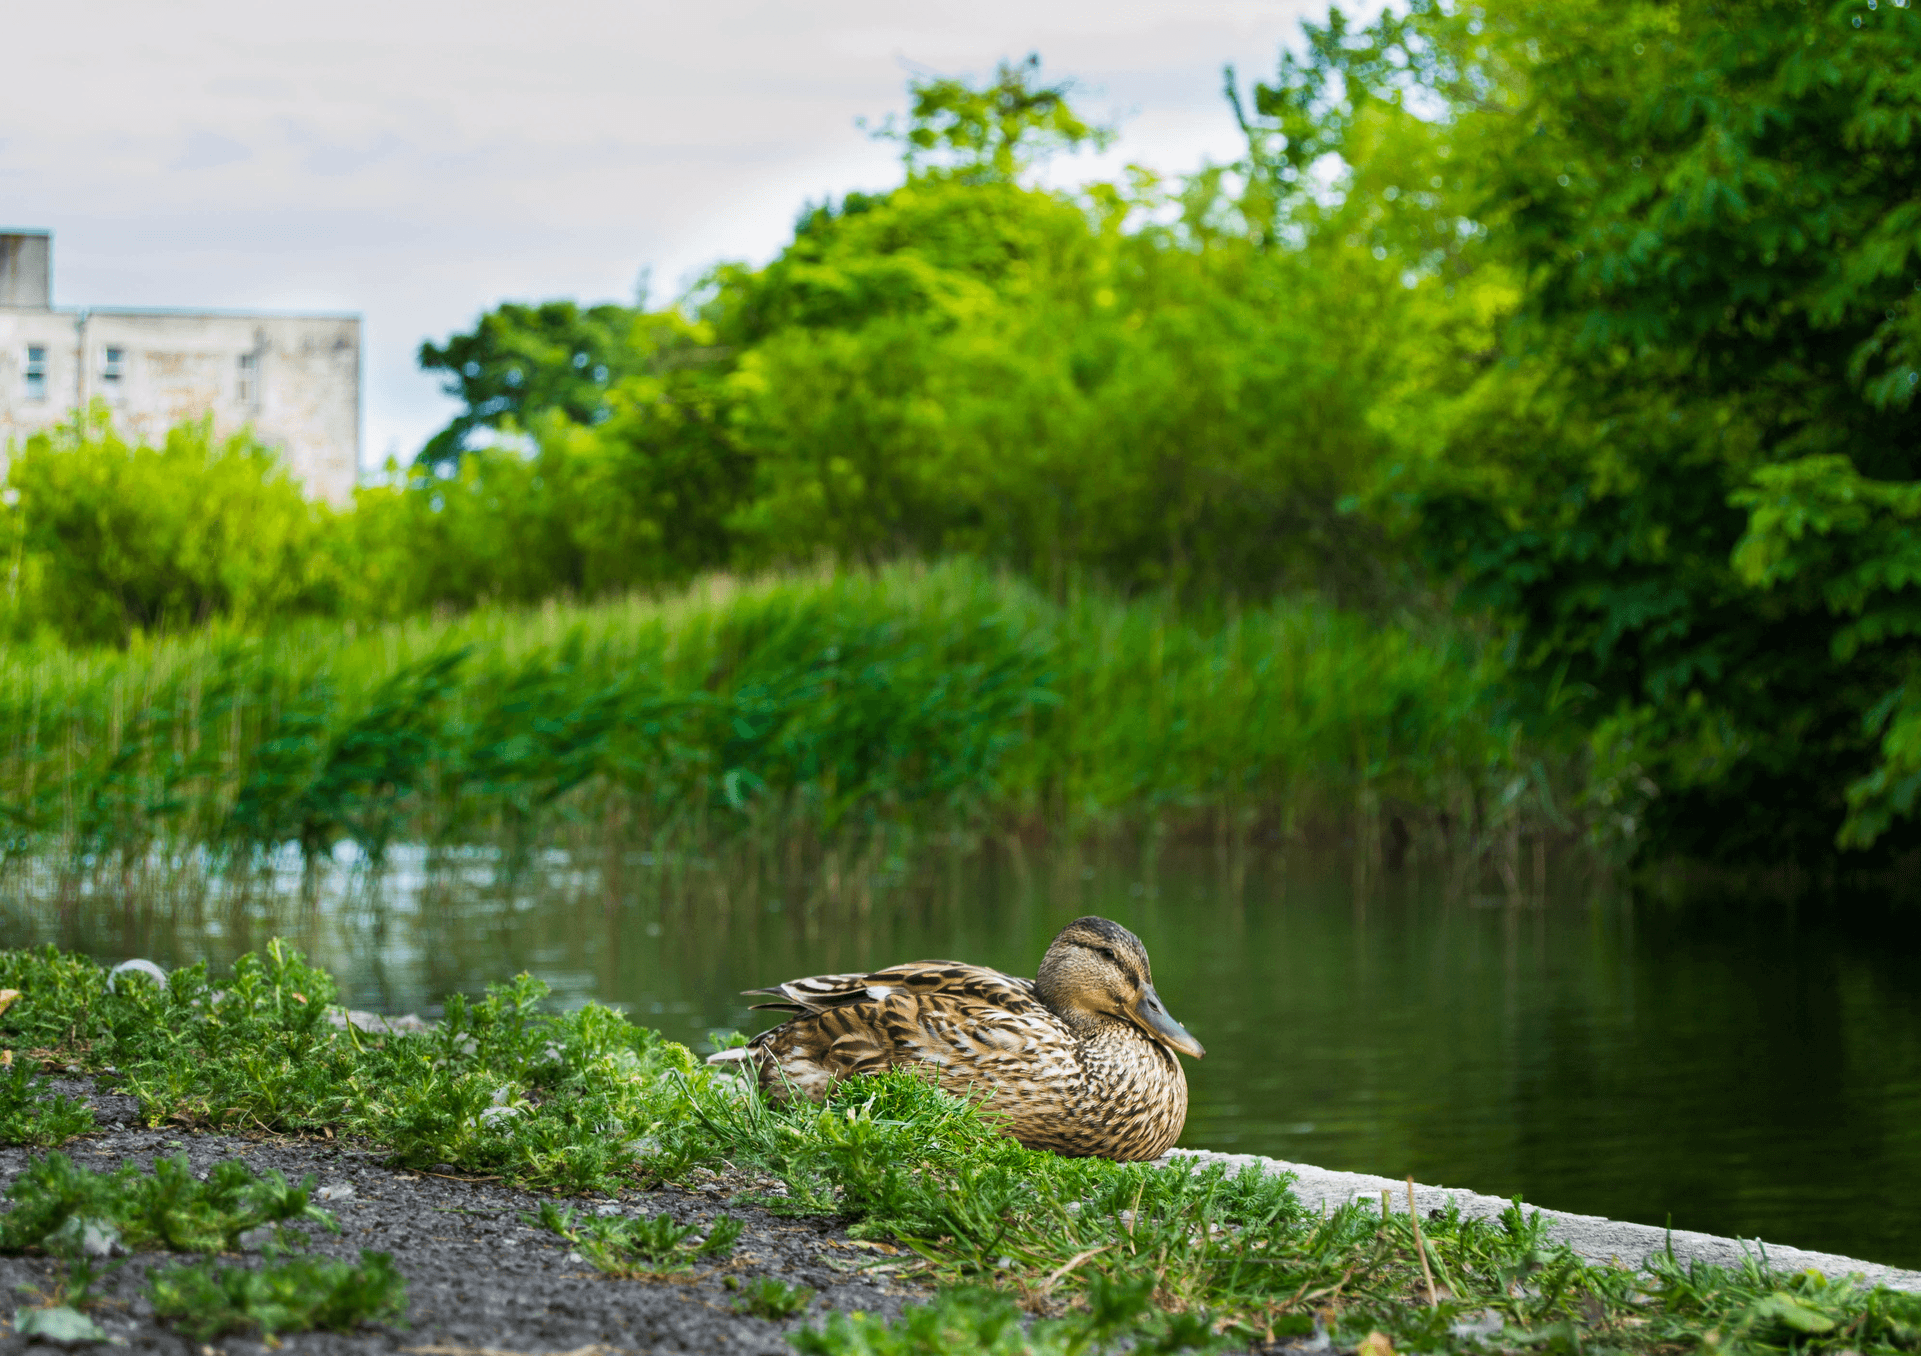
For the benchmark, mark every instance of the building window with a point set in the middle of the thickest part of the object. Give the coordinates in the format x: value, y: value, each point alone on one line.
x: 36, y: 371
x: 114, y: 367
x: 247, y: 382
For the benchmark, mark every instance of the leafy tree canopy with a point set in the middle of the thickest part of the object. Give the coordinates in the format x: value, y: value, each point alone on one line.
x: 521, y: 359
x: 1711, y: 213
x: 992, y: 131
x: 1134, y: 382
x: 1605, y: 309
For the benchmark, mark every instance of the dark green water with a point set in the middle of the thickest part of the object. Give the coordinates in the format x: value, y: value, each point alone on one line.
x: 1751, y: 1070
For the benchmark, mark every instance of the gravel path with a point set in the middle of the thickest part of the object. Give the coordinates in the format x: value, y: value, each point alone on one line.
x: 480, y: 1283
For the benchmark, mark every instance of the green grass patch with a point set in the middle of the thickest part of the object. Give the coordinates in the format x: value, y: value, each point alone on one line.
x: 1064, y: 1255
x: 498, y: 1087
x: 30, y: 1115
x: 296, y: 1294
x: 978, y: 1322
x: 770, y: 1297
x: 54, y: 1204
x: 60, y: 1208
x: 652, y: 1246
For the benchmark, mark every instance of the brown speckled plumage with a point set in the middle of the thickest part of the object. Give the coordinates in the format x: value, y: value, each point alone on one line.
x: 1080, y: 1059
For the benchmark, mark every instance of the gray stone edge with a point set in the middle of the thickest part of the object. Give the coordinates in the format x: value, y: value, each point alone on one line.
x: 1595, y: 1238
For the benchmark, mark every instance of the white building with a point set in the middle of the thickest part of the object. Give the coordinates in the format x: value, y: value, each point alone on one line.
x: 293, y: 379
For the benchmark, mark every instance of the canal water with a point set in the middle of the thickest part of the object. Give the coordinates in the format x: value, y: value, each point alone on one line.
x: 1736, y: 1067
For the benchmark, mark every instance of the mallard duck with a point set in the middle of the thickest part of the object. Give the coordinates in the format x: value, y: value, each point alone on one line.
x: 1079, y: 1059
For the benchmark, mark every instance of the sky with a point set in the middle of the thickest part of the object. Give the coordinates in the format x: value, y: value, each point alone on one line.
x: 419, y: 161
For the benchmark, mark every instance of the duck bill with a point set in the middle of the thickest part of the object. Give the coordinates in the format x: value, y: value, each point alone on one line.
x: 1153, y: 1014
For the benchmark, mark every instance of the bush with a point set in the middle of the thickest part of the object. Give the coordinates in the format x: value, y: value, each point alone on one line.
x: 116, y: 539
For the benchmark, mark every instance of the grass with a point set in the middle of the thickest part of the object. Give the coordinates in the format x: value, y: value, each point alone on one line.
x: 814, y: 704
x: 638, y: 1247
x: 771, y: 1297
x: 28, y: 1115
x: 497, y: 1087
x: 1028, y: 1251
x: 297, y: 1294
x: 976, y: 1322
x: 53, y: 1203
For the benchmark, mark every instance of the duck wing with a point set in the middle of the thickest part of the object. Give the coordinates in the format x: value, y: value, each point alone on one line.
x: 819, y: 993
x: 969, y: 1024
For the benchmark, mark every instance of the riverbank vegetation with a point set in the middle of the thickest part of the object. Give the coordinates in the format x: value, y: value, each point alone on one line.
x: 798, y: 707
x: 1104, y: 1255
x: 1592, y: 325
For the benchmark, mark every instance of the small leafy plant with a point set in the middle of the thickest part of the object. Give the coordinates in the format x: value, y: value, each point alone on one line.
x: 298, y: 1294
x: 771, y: 1297
x: 29, y: 1116
x: 60, y: 1207
x: 635, y: 1247
x: 498, y: 1086
x: 970, y: 1321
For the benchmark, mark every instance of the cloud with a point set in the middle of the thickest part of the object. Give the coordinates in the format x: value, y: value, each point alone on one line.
x: 209, y: 150
x: 331, y: 159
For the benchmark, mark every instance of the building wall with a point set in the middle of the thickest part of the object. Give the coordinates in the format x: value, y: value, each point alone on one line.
x: 298, y: 386
x: 26, y: 268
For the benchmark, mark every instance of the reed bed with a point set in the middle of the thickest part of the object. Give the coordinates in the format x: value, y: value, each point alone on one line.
x: 802, y: 709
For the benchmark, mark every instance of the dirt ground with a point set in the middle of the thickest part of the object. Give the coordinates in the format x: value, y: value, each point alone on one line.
x: 479, y: 1282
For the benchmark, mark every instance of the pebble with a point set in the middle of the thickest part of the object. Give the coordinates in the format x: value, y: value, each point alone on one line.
x: 94, y: 1237
x: 136, y: 967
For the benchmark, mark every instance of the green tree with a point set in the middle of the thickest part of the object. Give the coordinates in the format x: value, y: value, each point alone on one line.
x: 1711, y: 213
x: 637, y: 495
x: 521, y: 360
x: 1139, y: 382
x: 993, y: 131
x: 115, y: 539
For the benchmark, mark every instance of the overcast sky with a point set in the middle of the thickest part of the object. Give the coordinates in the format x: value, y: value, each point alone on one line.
x: 418, y: 161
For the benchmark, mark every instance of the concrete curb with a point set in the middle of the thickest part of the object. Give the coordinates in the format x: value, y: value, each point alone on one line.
x: 1595, y: 1238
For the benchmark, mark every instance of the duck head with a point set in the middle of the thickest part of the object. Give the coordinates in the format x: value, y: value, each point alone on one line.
x: 1097, y: 971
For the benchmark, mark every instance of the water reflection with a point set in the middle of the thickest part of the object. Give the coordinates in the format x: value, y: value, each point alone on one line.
x: 1751, y: 1070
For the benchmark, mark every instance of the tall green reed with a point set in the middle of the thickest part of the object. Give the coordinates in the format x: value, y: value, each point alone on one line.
x: 805, y: 706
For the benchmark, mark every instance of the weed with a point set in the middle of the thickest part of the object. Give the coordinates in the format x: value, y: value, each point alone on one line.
x: 977, y: 1322
x: 722, y: 1234
x: 771, y: 1297
x: 554, y: 1218
x: 631, y: 1247
x: 500, y: 1087
x: 1753, y: 1308
x: 28, y: 1116
x: 56, y: 1205
x: 298, y: 1294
